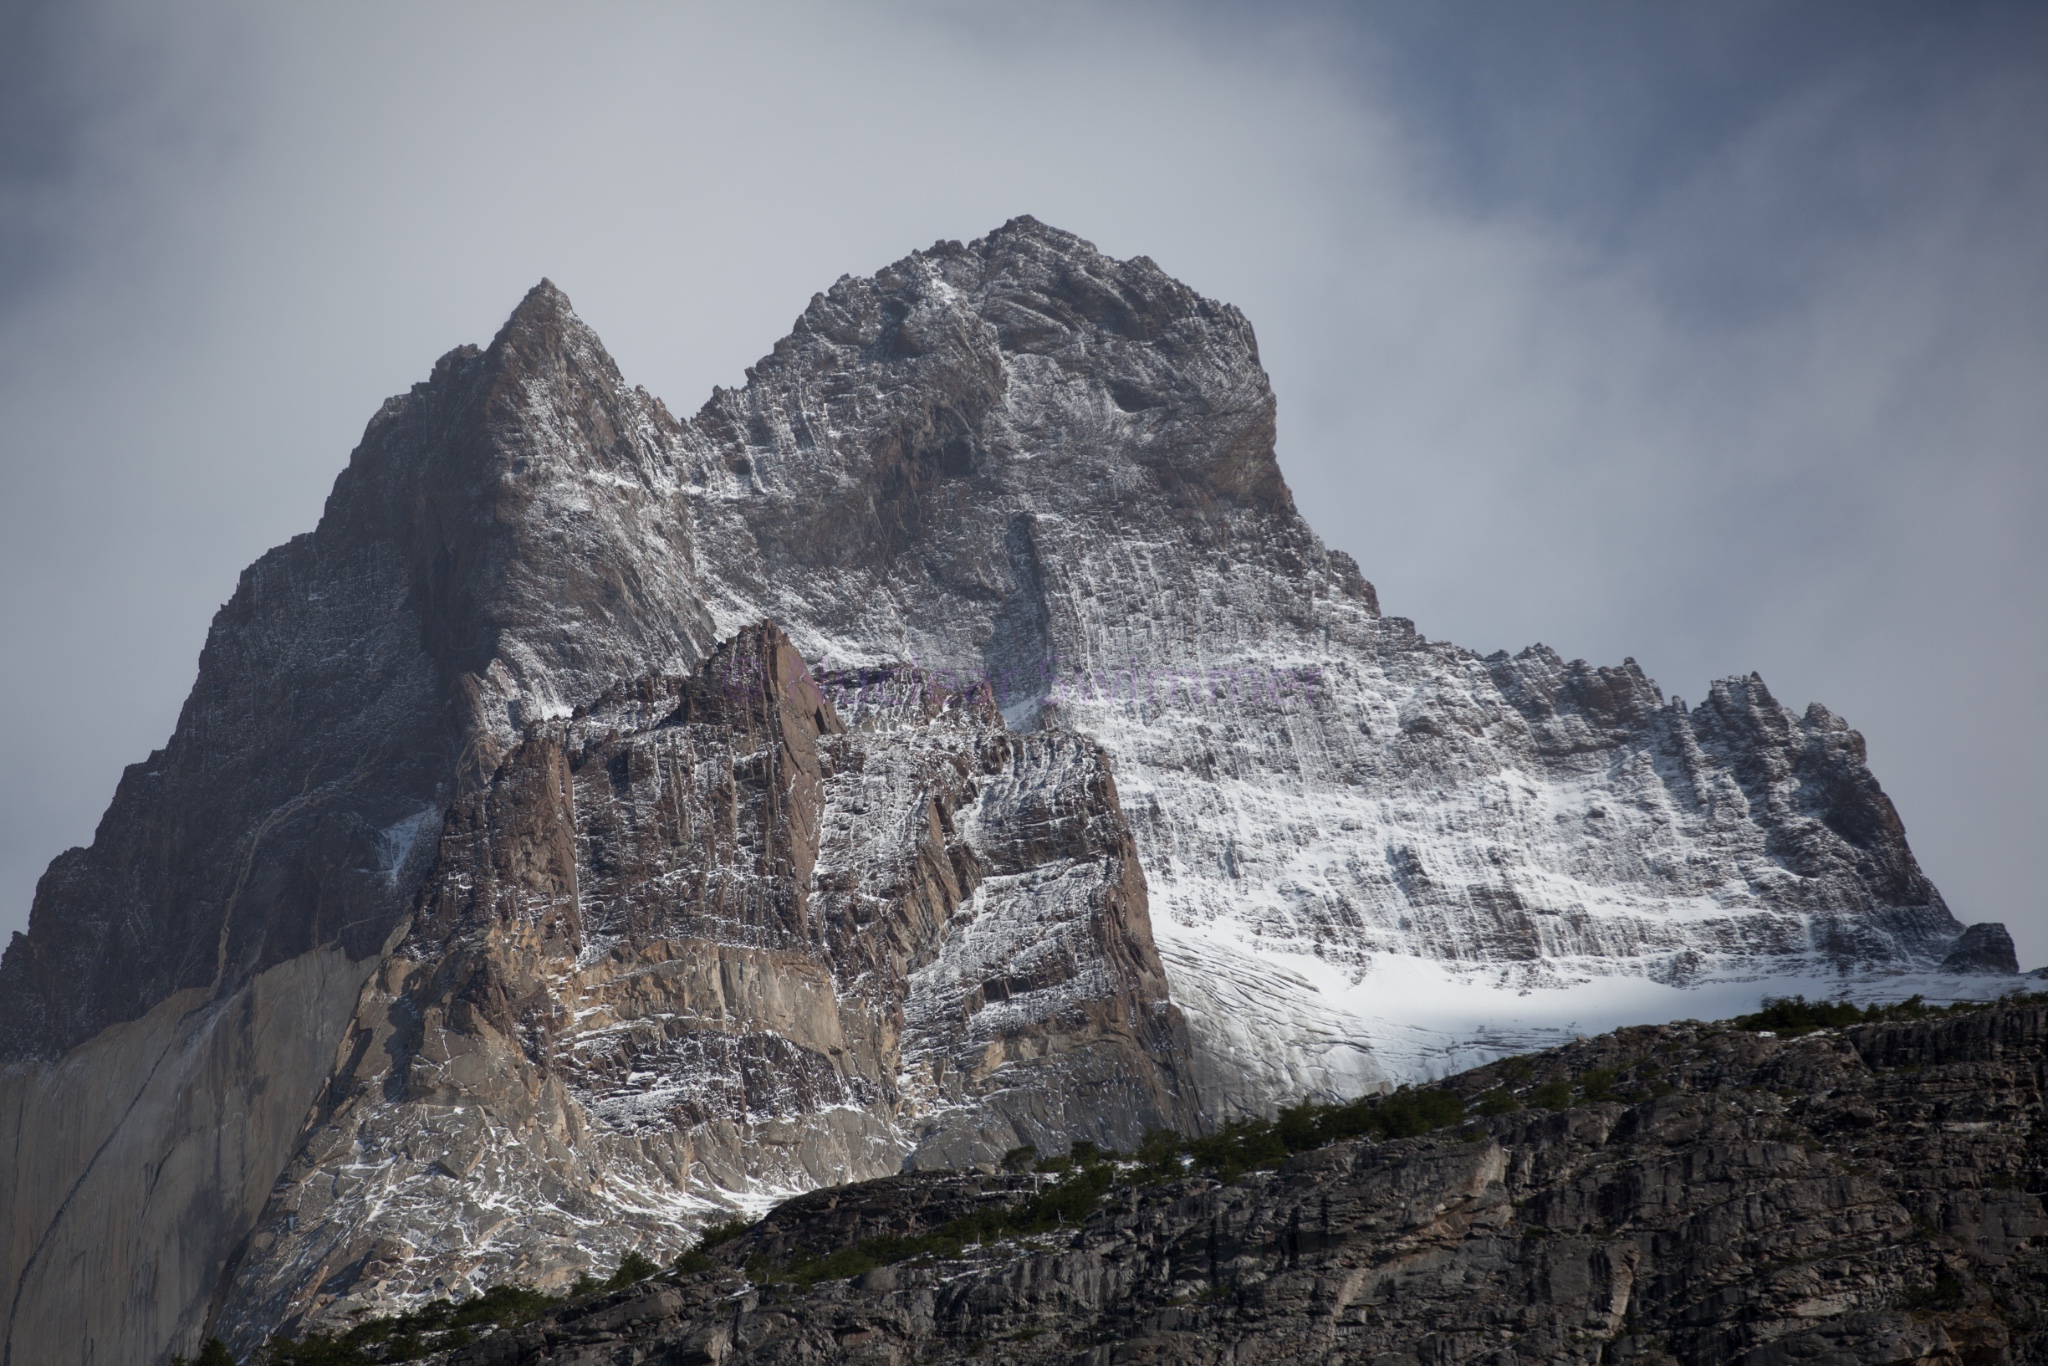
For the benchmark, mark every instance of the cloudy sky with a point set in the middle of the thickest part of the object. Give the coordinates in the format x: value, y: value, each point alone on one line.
x: 1711, y: 334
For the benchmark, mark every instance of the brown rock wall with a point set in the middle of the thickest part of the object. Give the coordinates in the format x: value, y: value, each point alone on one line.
x: 692, y: 944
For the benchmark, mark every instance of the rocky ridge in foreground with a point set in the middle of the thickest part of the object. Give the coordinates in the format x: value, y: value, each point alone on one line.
x: 1706, y: 1195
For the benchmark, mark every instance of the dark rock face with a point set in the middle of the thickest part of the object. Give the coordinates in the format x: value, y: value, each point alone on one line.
x: 1983, y: 948
x: 1868, y: 1196
x: 199, y: 959
x: 360, y: 677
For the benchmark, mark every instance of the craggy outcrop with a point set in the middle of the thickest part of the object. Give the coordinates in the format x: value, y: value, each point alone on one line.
x: 703, y: 941
x: 460, y: 580
x: 1871, y: 1195
x: 1983, y: 948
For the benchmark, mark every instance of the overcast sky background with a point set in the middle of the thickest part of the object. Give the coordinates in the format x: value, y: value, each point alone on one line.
x: 1711, y: 334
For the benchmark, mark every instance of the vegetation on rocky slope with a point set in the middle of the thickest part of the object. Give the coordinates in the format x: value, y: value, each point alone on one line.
x: 439, y: 1325
x: 1811, y: 1178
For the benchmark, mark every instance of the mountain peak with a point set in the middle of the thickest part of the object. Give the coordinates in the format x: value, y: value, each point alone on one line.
x: 1025, y: 228
x: 1022, y: 469
x: 544, y: 339
x: 544, y: 311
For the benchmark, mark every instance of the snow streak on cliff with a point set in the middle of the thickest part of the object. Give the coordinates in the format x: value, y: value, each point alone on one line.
x: 1025, y: 462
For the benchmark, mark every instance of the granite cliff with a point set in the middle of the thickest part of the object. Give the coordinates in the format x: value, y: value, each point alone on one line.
x: 702, y: 940
x: 953, y: 738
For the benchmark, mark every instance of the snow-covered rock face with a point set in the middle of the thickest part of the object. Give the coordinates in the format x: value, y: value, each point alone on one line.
x: 605, y: 998
x: 1025, y: 462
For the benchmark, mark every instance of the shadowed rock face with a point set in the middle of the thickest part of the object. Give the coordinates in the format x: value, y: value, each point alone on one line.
x: 1016, y: 471
x: 361, y: 676
x: 200, y: 958
x: 1983, y: 948
x: 1867, y: 1196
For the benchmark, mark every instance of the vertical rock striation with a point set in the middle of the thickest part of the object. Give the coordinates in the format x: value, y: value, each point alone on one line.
x: 1024, y: 461
x: 700, y: 943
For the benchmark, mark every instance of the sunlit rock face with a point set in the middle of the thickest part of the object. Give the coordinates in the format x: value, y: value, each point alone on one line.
x: 1080, y: 787
x: 702, y: 945
x: 1025, y: 462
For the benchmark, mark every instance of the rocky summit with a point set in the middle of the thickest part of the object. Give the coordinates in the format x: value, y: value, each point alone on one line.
x: 954, y: 740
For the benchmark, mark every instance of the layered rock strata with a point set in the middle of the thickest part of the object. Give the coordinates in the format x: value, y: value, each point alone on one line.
x: 1869, y: 1196
x: 704, y: 942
